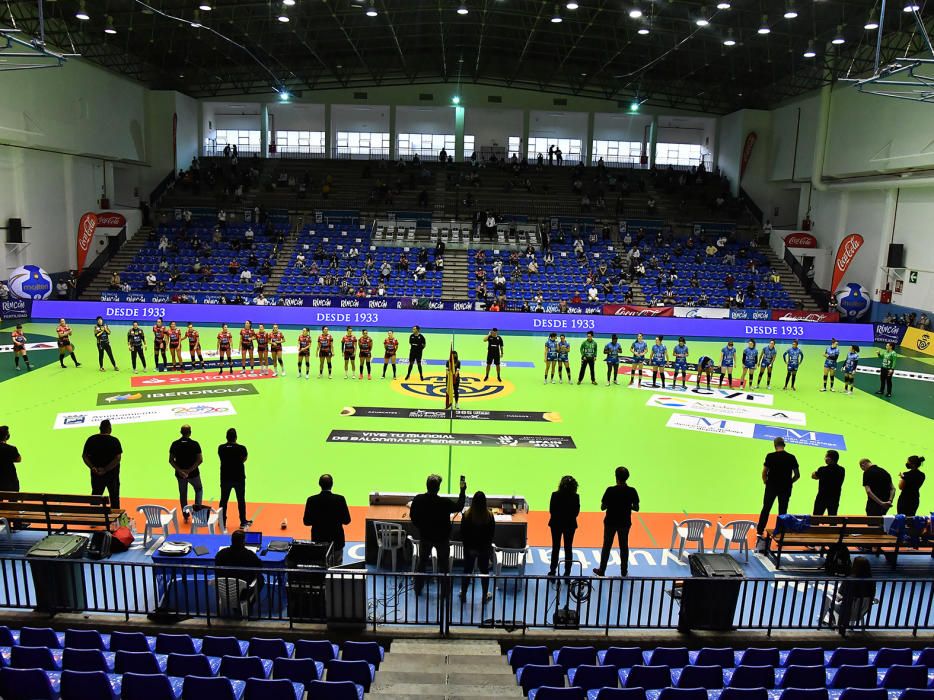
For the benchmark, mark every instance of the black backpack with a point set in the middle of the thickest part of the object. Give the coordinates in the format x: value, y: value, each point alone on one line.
x: 99, y: 546
x: 837, y: 561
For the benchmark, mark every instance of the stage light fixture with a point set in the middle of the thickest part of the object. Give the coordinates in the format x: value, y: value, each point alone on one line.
x: 109, y: 29
x: 838, y: 38
x: 205, y: 7
x: 462, y: 10
x: 911, y: 6
x: 556, y: 18
x: 724, y: 5
x: 764, y: 26
x: 456, y: 100
x: 702, y: 20
x: 809, y: 52
x: 729, y: 39
x: 572, y: 5
x: 643, y: 30
x: 871, y: 23
x: 371, y: 10
x: 790, y: 11
x: 82, y: 12
x: 635, y: 12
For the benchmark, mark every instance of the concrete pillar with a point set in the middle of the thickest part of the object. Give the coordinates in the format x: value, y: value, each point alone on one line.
x: 329, y: 150
x: 587, y: 146
x: 653, y: 140
x: 459, y: 154
x: 393, y: 145
x: 526, y: 128
x: 264, y: 131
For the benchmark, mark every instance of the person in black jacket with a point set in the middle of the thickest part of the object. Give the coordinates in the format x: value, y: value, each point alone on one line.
x: 829, y: 484
x: 564, y: 508
x: 619, y: 502
x: 417, y: 344
x: 477, y: 527
x: 244, y: 562
x: 326, y: 514
x: 431, y: 516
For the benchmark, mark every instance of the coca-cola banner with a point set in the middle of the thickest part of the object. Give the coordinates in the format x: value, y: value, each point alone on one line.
x: 86, y: 228
x: 748, y: 145
x: 800, y: 239
x: 802, y: 315
x: 848, y: 249
x: 630, y: 310
x: 110, y: 219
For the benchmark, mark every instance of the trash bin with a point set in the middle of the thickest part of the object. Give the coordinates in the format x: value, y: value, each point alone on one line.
x: 57, y: 577
x: 706, y: 603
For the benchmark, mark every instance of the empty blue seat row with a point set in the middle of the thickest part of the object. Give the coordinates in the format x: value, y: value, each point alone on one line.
x: 576, y: 693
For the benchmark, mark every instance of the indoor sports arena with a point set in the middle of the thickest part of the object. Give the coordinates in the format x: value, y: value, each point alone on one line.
x: 466, y: 349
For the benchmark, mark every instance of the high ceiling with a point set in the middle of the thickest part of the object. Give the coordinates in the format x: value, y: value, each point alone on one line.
x: 596, y: 51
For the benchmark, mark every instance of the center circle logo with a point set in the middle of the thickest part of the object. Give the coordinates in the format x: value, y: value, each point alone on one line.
x: 472, y: 387
x: 924, y: 341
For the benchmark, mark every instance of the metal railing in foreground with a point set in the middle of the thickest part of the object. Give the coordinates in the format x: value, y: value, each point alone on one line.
x: 381, y: 600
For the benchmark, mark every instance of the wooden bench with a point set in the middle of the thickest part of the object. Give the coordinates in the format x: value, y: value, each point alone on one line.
x: 852, y: 531
x: 59, y: 512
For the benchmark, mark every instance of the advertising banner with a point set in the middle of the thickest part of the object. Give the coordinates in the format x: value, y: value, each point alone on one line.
x: 15, y: 309
x: 111, y: 219
x: 442, y: 414
x: 748, y: 145
x: 700, y: 312
x: 783, y: 331
x: 809, y: 316
x: 122, y: 416
x: 729, y: 410
x: 87, y: 225
x: 630, y: 310
x: 370, y: 437
x: 800, y: 239
x: 757, y: 431
x: 888, y: 333
x: 848, y: 249
x: 919, y: 341
x: 751, y: 314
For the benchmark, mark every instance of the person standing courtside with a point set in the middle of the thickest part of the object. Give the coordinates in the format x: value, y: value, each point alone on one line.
x: 102, y: 454
x: 909, y: 483
x: 494, y: 352
x: 880, y: 492
x: 417, y: 344
x: 431, y: 516
x: 326, y: 513
x: 779, y: 472
x: 829, y: 480
x: 233, y: 458
x: 619, y: 502
x: 563, y: 509
x: 478, y: 527
x: 9, y: 458
x: 185, y: 457
x: 588, y: 358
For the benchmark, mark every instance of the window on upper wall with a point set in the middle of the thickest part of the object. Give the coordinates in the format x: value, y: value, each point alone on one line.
x: 684, y: 154
x: 515, y: 146
x: 469, y: 141
x: 362, y: 143
x: 628, y: 152
x: 245, y: 140
x: 570, y: 148
x: 298, y: 141
x: 425, y: 145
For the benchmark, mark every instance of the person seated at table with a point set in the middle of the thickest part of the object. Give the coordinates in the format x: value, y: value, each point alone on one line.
x: 244, y: 563
x: 852, y: 599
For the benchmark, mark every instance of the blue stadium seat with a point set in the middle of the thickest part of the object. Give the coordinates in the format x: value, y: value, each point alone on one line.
x: 223, y: 646
x: 41, y: 637
x: 675, y: 657
x: 621, y: 657
x: 86, y: 639
x: 547, y: 692
x: 335, y: 690
x: 278, y: 689
x: 298, y: 670
x: 358, y: 672
x: 853, y: 676
x: 520, y: 656
x: 177, y: 644
x: 648, y: 677
x: 87, y: 660
x: 155, y: 686
x: 216, y: 688
x: 849, y: 656
x: 682, y: 694
x: 802, y: 677
x: 751, y: 677
x: 537, y: 675
x: 35, y: 657
x: 89, y: 685
x: 714, y: 656
x: 179, y: 665
x: 571, y: 657
x: 707, y: 677
x: 131, y: 641
x: 8, y: 638
x: 743, y: 694
x: 28, y: 684
x: 590, y: 677
x: 139, y: 662
x: 899, y: 676
x: 371, y: 652
x: 804, y: 694
x: 242, y: 667
x: 270, y: 648
x: 915, y: 694
x: 863, y: 694
x: 756, y: 656
x: 926, y: 657
x: 887, y: 656
x: 804, y: 656
x: 617, y: 694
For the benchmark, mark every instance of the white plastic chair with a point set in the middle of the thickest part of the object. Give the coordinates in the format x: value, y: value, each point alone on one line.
x: 390, y: 537
x: 158, y: 518
x: 690, y: 530
x: 417, y: 553
x: 456, y: 552
x: 734, y: 531
x: 233, y: 594
x: 509, y: 558
x: 205, y: 516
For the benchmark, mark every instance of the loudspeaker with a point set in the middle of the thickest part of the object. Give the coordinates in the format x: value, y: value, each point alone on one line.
x: 896, y: 255
x: 14, y: 231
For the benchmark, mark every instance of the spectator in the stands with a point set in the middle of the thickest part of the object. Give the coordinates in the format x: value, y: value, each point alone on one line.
x: 592, y: 294
x: 532, y: 267
x: 353, y: 253
x: 61, y: 289
x: 420, y: 272
x: 246, y: 276
x: 222, y: 218
x: 248, y: 236
x: 549, y: 261
x: 480, y: 274
x: 380, y: 289
x: 499, y: 283
x: 711, y: 250
x: 151, y: 280
x: 300, y: 261
x: 403, y: 262
x: 439, y: 263
x: 115, y: 281
x: 385, y: 270
x: 924, y: 323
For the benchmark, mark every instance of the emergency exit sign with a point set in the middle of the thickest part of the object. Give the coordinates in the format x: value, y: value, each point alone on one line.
x: 913, y: 277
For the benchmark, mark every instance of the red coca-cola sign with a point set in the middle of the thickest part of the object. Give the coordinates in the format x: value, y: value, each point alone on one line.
x: 800, y: 239
x: 848, y: 249
x: 110, y: 219
x: 86, y: 227
x: 802, y: 315
x: 631, y: 310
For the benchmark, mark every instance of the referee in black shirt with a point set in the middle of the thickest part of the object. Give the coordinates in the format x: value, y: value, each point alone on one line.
x: 494, y: 352
x: 416, y: 348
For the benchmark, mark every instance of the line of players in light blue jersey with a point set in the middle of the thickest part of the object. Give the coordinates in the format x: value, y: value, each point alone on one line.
x: 657, y: 357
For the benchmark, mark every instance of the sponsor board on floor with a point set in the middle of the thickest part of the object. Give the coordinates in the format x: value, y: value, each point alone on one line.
x: 128, y: 398
x: 149, y: 414
x: 757, y: 431
x: 715, y: 393
x: 455, y: 440
x: 730, y: 410
x: 441, y: 414
x: 47, y: 345
x: 898, y: 374
x: 178, y: 379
